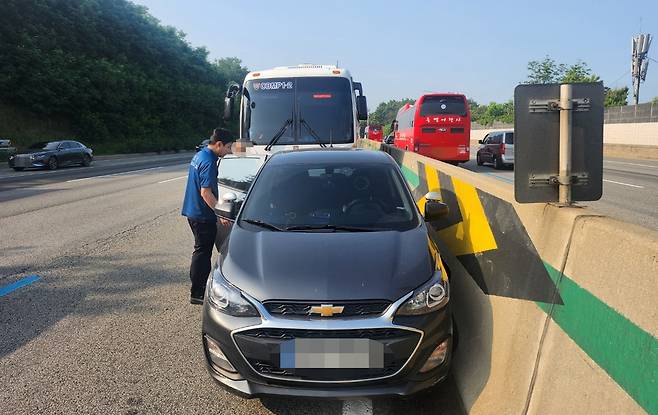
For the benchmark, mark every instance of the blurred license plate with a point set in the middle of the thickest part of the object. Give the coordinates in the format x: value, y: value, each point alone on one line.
x: 331, y: 354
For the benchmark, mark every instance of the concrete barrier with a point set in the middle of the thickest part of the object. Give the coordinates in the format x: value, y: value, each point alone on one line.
x: 554, y: 306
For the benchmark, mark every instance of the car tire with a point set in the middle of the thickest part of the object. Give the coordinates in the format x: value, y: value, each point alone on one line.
x: 478, y: 160
x: 498, y: 163
x: 18, y: 168
x: 52, y: 163
x: 86, y: 160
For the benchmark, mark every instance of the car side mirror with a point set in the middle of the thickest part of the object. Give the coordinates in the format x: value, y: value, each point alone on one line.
x: 480, y: 141
x: 227, y: 206
x: 361, y: 108
x: 434, y: 208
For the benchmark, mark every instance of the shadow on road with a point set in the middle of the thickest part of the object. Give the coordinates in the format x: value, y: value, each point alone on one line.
x: 79, y: 285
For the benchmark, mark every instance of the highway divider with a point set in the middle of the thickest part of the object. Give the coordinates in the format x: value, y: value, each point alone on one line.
x: 554, y: 306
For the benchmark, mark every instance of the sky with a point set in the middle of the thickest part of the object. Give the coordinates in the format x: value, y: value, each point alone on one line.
x: 405, y: 48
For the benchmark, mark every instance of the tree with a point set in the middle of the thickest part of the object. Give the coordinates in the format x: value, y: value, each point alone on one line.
x: 545, y: 71
x: 123, y: 81
x: 231, y: 69
x: 548, y: 71
x: 655, y: 100
x: 386, y: 112
x: 616, y: 97
x: 578, y: 72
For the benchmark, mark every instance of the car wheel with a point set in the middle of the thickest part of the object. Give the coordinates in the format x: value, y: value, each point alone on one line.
x: 86, y: 160
x: 498, y: 163
x: 478, y: 160
x: 19, y: 168
x: 52, y: 163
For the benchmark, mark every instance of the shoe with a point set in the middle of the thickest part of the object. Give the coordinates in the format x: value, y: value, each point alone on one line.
x: 196, y: 299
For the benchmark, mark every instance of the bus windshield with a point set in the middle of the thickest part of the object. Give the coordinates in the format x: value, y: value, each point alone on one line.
x: 320, y: 108
x: 443, y: 105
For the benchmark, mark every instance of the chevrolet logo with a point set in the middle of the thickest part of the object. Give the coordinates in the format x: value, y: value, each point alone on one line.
x: 327, y: 310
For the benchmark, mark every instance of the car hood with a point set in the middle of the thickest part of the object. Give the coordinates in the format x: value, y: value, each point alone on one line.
x: 320, y: 266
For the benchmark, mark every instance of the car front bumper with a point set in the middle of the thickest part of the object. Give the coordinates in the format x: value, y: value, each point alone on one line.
x: 246, y: 381
x: 26, y: 162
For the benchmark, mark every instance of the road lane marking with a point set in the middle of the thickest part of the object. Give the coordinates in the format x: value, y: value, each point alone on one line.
x: 357, y: 406
x: 623, y: 184
x: 18, y: 284
x: 171, y: 180
x: 630, y: 164
x: 112, y: 175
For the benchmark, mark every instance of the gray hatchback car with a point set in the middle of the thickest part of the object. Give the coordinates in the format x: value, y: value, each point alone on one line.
x: 330, y: 283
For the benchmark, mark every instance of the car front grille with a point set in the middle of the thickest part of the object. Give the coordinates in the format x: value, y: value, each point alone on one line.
x: 261, y: 348
x: 293, y: 309
x: 22, y: 161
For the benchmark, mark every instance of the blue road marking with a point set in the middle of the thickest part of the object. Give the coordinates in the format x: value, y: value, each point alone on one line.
x: 18, y: 284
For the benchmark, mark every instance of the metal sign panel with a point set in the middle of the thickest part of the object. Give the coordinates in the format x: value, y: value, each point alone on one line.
x: 537, y: 142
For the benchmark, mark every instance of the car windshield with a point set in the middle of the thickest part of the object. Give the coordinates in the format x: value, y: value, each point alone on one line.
x: 344, y: 196
x: 45, y: 146
x: 321, y: 108
x: 238, y: 173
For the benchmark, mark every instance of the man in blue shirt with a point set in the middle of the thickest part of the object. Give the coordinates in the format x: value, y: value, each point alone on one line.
x: 198, y: 206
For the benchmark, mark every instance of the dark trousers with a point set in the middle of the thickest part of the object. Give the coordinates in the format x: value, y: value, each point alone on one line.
x: 204, y: 240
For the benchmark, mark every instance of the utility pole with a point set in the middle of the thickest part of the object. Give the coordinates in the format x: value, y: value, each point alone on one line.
x: 639, y: 62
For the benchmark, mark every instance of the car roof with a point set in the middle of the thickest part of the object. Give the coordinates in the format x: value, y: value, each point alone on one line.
x: 330, y: 156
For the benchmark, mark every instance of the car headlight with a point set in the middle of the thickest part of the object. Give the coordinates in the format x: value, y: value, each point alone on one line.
x: 228, y: 299
x: 36, y: 156
x: 429, y: 297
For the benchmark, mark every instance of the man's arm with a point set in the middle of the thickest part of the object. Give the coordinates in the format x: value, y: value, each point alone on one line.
x: 209, y: 197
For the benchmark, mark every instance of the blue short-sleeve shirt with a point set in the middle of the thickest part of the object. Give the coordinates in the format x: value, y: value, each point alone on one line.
x: 202, y: 173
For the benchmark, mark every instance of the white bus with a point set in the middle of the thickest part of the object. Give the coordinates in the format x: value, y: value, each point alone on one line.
x: 301, y: 106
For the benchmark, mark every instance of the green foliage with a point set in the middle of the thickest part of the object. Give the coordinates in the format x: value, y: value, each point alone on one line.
x: 615, y: 97
x: 122, y: 80
x: 494, y: 112
x: 578, y: 72
x: 655, y: 100
x: 231, y: 69
x: 386, y: 112
x: 548, y: 71
x: 545, y: 71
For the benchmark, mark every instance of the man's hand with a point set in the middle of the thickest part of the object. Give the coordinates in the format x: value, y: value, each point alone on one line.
x: 224, y: 222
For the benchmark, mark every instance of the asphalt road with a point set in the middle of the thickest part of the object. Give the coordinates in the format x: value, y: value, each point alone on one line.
x: 630, y: 189
x: 105, y: 325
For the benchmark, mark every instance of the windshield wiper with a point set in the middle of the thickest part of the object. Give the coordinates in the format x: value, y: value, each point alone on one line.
x: 330, y: 227
x: 313, y: 133
x: 279, y: 134
x: 263, y: 224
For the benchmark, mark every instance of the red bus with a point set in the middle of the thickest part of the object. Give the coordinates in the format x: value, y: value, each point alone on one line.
x: 375, y: 132
x: 438, y: 126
